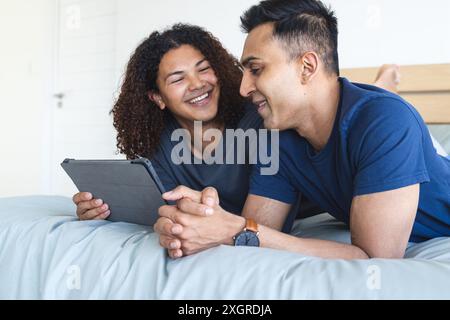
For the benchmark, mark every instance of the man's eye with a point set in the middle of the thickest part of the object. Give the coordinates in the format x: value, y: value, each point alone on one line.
x: 205, y: 69
x: 255, y: 71
x: 177, y: 80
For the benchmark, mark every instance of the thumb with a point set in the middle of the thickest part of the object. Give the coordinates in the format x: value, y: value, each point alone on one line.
x: 182, y: 192
x: 210, y: 197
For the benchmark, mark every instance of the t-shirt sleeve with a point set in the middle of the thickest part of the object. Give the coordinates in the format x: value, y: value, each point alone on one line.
x: 386, y: 147
x: 273, y: 184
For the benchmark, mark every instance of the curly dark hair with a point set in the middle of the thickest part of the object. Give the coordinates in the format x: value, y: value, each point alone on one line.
x: 138, y: 120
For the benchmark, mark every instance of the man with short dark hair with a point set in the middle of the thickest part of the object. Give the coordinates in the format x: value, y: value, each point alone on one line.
x: 361, y: 153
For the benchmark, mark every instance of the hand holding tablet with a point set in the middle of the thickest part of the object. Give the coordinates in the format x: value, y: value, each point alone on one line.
x: 131, y: 188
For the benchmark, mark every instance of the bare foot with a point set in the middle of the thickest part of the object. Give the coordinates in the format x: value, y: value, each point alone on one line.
x: 388, y: 77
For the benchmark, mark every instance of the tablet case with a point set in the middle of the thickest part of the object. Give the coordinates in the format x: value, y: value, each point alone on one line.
x: 131, y: 188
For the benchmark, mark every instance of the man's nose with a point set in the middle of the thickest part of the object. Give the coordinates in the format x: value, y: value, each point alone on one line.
x: 247, y: 85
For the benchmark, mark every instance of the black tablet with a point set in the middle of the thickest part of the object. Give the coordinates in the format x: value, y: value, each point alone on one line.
x: 131, y: 188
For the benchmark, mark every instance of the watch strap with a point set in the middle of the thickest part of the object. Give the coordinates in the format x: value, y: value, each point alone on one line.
x: 251, y: 225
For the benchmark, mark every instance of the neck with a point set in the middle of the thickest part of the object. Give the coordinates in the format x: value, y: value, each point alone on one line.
x: 318, y: 124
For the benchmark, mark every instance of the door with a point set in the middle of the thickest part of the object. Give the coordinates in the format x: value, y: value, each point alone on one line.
x: 84, y: 87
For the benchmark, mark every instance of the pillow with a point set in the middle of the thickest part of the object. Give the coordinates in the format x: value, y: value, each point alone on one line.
x: 438, y: 147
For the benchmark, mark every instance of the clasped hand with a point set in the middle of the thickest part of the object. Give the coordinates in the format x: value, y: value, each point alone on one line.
x: 195, y: 223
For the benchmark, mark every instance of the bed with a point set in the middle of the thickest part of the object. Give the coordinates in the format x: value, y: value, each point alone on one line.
x: 46, y: 253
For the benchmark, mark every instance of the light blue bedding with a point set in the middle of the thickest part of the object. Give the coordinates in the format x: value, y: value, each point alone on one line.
x: 45, y: 253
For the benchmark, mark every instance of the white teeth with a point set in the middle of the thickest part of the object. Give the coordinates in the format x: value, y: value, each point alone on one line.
x: 203, y: 97
x: 262, y: 104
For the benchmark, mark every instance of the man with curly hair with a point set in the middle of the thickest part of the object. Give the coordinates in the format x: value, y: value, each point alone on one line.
x: 363, y: 154
x: 174, y: 78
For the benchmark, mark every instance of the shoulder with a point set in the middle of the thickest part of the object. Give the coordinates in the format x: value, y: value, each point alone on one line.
x: 385, y: 112
x: 365, y: 106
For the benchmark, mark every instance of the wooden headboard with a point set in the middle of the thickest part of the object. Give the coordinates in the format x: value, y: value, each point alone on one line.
x: 426, y: 87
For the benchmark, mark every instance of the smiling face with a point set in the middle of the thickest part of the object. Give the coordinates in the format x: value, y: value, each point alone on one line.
x: 187, y: 85
x: 271, y: 80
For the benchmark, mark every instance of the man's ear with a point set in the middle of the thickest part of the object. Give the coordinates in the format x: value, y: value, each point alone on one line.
x: 309, y: 64
x: 156, y: 98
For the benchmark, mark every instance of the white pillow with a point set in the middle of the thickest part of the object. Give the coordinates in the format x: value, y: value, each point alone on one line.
x: 439, y: 148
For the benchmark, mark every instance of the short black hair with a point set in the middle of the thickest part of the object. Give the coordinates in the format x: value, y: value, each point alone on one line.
x: 301, y: 25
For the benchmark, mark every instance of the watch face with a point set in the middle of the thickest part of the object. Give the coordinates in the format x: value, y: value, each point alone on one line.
x: 247, y: 238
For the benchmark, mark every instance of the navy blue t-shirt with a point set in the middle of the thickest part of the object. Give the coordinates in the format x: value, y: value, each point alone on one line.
x: 230, y: 180
x: 379, y: 143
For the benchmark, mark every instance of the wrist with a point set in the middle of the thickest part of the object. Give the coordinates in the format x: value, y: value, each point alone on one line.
x: 235, y: 225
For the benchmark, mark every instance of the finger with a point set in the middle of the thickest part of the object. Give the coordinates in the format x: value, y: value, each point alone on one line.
x: 167, y: 227
x: 160, y: 225
x: 178, y: 217
x: 175, y: 254
x: 190, y: 207
x: 175, y: 229
x: 169, y: 243
x: 210, y: 197
x: 182, y: 192
x: 86, y: 214
x: 84, y: 206
x: 81, y: 196
x: 91, y: 214
x: 169, y: 212
x: 103, y: 216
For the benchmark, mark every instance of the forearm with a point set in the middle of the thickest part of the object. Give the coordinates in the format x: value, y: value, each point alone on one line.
x: 270, y: 238
x: 265, y: 211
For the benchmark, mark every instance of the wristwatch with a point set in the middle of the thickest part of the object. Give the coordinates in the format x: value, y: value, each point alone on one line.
x: 249, y: 236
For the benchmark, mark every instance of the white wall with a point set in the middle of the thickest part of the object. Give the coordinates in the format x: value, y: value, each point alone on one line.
x: 26, y: 33
x: 372, y: 32
x: 138, y: 18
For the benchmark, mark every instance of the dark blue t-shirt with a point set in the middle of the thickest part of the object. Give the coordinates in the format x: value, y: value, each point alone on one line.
x: 230, y: 180
x: 379, y: 143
